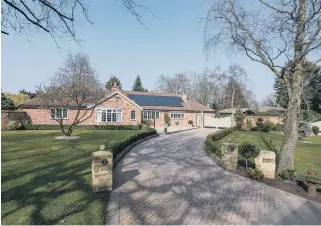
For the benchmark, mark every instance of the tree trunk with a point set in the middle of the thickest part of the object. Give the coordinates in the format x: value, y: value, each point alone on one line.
x: 291, y: 133
x: 294, y: 86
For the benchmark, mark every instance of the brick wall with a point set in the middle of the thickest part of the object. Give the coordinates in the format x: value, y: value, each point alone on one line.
x: 42, y: 116
x: 273, y: 119
x: 182, y: 122
x: 7, y: 115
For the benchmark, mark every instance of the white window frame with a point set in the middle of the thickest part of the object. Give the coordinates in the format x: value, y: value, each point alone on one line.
x: 111, y: 111
x: 131, y: 114
x: 62, y: 111
x: 177, y: 114
x: 151, y: 115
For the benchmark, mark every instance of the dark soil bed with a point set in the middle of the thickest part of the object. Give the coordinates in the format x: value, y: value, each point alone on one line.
x: 298, y: 188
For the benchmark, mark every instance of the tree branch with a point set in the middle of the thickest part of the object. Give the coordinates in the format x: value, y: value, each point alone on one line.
x: 26, y: 16
x: 54, y: 9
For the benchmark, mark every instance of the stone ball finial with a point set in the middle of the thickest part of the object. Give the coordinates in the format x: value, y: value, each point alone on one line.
x: 229, y: 140
x: 102, y: 147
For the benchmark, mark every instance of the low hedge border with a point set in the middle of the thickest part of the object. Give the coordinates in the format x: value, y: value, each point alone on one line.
x: 83, y: 127
x: 120, y: 149
x: 211, y: 148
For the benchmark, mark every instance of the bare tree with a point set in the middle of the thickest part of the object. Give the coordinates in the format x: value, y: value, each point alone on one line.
x: 237, y: 78
x: 179, y: 83
x: 269, y: 101
x: 251, y: 99
x: 269, y: 31
x: 54, y: 17
x: 75, y: 86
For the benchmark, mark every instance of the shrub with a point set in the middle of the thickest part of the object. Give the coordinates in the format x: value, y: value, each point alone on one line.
x: 277, y: 127
x: 259, y: 124
x: 248, y: 124
x: 167, y: 119
x: 288, y: 174
x: 239, y: 118
x: 248, y: 151
x: 254, y: 129
x: 255, y: 174
x: 177, y: 123
x: 14, y: 125
x: 147, y: 123
x: 190, y: 122
x: 315, y: 130
x: 220, y: 134
x: 210, y: 146
x: 266, y: 127
x: 304, y: 128
x: 165, y: 130
x: 83, y: 127
x: 118, y: 147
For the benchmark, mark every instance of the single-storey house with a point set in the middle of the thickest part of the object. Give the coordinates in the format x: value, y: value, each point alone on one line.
x: 119, y: 107
x: 272, y: 111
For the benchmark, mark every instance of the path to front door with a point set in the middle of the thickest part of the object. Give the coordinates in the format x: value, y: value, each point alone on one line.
x: 170, y: 180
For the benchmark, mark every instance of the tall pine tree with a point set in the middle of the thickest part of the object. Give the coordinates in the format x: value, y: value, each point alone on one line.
x: 138, y: 86
x: 6, y: 103
x: 311, y: 95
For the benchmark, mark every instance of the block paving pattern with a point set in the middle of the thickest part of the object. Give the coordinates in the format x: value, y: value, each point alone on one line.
x: 171, y: 180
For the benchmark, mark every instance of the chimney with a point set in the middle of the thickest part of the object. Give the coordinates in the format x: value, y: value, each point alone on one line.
x: 115, y: 88
x: 185, y: 99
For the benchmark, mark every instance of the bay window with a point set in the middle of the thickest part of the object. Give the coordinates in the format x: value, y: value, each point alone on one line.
x: 108, y: 115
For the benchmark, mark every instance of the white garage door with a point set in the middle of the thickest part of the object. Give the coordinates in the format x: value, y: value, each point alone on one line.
x: 225, y: 122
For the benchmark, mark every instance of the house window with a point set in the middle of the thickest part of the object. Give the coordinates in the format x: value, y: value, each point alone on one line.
x: 132, y: 115
x: 177, y: 114
x: 108, y: 115
x: 59, y: 113
x: 150, y: 115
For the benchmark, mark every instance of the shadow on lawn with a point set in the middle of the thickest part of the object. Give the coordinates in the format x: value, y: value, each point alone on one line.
x: 53, y: 191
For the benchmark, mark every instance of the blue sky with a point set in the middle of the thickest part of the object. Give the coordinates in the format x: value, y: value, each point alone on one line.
x: 117, y: 44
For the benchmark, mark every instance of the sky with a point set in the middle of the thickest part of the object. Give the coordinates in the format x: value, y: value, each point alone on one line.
x: 117, y: 44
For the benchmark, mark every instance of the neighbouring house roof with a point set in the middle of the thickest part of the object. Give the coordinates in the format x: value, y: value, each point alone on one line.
x: 232, y: 110
x: 144, y: 100
x: 273, y: 110
x: 63, y: 101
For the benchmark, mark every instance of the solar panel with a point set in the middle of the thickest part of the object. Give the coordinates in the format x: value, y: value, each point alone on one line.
x: 151, y: 100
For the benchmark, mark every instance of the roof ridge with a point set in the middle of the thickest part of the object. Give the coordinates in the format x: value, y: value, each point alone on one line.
x: 146, y: 93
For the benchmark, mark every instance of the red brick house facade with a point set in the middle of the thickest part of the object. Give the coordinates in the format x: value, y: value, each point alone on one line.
x: 126, y: 108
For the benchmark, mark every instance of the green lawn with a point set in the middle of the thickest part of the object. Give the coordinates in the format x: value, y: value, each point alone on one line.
x: 307, y: 155
x: 47, y: 181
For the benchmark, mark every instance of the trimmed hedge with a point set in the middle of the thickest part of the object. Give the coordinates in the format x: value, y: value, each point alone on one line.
x: 118, y: 147
x: 211, y: 147
x: 84, y: 127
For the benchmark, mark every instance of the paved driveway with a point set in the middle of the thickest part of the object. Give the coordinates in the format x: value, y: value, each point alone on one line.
x: 170, y: 180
